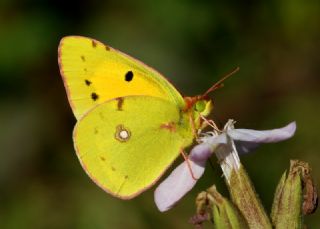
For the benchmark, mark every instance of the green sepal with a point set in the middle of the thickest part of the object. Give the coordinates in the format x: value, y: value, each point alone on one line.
x: 225, y: 215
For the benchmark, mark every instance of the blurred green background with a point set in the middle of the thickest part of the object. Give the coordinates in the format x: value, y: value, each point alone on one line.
x: 276, y: 43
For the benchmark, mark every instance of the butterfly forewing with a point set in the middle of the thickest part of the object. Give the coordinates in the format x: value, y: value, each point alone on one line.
x: 94, y: 73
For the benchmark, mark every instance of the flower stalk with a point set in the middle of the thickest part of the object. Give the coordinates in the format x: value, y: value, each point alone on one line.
x: 240, y: 187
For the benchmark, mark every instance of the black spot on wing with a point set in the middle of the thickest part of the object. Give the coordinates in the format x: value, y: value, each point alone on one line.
x: 94, y: 96
x: 128, y: 76
x: 87, y: 82
x: 83, y: 58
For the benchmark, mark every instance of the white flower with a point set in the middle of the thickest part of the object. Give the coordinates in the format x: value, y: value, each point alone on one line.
x: 226, y: 146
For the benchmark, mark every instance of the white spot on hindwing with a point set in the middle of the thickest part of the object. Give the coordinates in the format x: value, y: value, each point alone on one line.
x: 122, y: 134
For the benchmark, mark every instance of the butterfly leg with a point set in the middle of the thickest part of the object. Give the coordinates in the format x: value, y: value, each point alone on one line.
x: 210, y: 123
x: 188, y: 163
x: 193, y: 127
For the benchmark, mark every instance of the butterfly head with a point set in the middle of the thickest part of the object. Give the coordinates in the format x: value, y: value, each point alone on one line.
x: 199, y: 105
x: 198, y: 108
x: 203, y: 107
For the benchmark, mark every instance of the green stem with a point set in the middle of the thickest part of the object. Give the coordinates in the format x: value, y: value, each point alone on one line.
x: 241, y: 189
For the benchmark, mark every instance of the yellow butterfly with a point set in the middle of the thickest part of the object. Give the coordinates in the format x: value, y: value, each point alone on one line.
x: 132, y: 123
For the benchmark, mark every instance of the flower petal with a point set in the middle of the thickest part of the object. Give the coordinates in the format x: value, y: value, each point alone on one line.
x: 245, y: 147
x: 200, y: 153
x: 174, y: 187
x: 180, y: 181
x: 263, y: 136
x: 246, y: 140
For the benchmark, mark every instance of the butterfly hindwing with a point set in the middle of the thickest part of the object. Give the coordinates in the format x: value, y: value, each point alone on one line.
x: 125, y: 144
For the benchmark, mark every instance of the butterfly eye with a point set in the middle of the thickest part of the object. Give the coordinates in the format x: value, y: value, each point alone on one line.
x: 200, y: 106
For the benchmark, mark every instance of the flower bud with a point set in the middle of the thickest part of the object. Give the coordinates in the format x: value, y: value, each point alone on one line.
x: 295, y: 196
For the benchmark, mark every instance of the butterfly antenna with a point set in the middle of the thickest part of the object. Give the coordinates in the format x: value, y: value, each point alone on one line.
x: 219, y: 84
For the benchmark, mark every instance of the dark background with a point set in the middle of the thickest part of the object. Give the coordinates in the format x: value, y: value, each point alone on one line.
x: 276, y: 43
